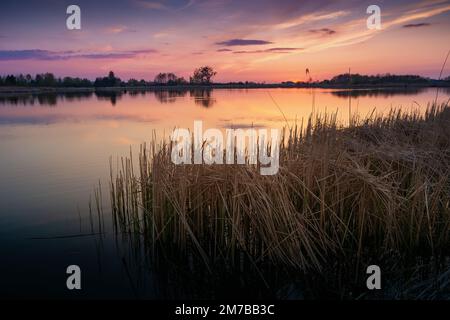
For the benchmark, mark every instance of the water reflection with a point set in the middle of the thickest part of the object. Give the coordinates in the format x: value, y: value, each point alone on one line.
x: 219, y: 107
x: 43, y: 99
x: 202, y: 97
x: 169, y: 96
x: 55, y: 147
x: 385, y: 92
x: 112, y: 96
x: 47, y: 99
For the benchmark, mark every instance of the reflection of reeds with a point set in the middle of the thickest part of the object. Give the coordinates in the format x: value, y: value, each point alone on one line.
x: 376, y: 190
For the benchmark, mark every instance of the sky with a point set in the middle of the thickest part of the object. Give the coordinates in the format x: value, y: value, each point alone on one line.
x: 251, y: 40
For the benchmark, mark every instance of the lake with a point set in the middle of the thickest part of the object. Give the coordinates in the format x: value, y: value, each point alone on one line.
x: 55, y: 148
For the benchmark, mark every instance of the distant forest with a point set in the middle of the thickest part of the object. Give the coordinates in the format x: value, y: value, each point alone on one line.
x: 203, y: 76
x: 358, y: 79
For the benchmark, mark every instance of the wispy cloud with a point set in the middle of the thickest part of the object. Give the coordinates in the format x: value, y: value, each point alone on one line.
x: 314, y: 17
x: 417, y: 14
x: 353, y: 33
x: 152, y: 5
x: 32, y: 54
x: 323, y: 31
x: 243, y: 42
x: 282, y: 49
x: 119, y: 29
x: 159, y: 5
x: 274, y: 50
x: 159, y: 35
x: 37, y: 54
x: 416, y: 25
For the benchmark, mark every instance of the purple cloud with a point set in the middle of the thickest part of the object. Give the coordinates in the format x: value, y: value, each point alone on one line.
x: 325, y: 31
x: 417, y: 25
x: 275, y: 50
x: 243, y: 42
x: 282, y: 49
x: 37, y: 54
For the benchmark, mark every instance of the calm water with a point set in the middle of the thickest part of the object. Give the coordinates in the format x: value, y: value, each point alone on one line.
x: 55, y: 148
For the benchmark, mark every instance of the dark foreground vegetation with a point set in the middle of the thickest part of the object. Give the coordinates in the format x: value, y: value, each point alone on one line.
x: 375, y: 192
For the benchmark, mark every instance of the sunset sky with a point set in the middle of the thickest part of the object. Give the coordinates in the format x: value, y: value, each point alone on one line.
x: 255, y: 40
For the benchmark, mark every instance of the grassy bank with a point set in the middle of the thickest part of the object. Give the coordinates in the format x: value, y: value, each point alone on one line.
x: 376, y: 192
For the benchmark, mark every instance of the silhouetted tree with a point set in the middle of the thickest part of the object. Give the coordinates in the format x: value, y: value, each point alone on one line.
x: 181, y: 81
x: 49, y: 80
x: 161, y: 78
x: 10, y: 80
x: 171, y: 77
x: 168, y: 79
x: 110, y: 81
x: 203, y: 75
x: 132, y: 83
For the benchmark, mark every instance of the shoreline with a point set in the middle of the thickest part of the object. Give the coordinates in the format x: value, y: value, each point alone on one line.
x: 42, y: 90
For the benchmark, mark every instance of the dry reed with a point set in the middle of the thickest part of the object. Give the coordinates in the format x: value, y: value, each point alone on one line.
x: 378, y: 188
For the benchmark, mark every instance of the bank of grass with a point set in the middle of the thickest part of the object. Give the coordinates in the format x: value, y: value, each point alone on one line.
x: 374, y: 192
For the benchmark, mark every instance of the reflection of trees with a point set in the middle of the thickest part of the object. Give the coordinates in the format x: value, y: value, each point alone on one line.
x: 169, y: 96
x: 112, y: 96
x: 385, y: 93
x: 18, y: 100
x: 49, y: 99
x: 77, y: 96
x: 203, y: 97
x: 135, y: 92
x: 44, y: 99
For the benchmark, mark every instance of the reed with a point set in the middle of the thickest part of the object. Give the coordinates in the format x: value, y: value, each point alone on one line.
x: 375, y: 191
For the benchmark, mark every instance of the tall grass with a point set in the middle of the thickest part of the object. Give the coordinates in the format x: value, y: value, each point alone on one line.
x: 376, y: 191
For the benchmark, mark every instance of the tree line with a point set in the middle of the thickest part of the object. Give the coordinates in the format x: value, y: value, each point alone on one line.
x: 379, y: 79
x: 200, y: 76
